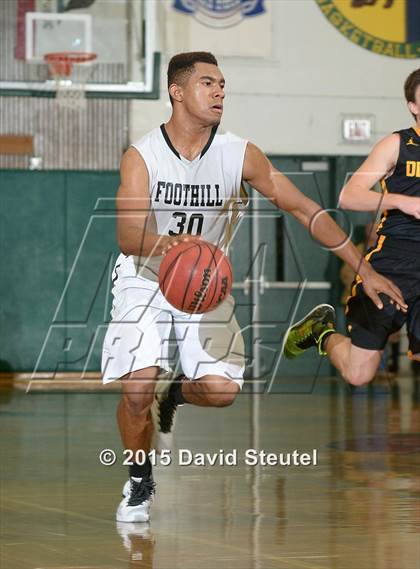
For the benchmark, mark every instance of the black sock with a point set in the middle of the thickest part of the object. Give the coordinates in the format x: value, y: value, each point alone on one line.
x: 141, y: 470
x: 175, y: 391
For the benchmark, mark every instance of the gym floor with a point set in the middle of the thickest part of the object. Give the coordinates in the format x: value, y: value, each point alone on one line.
x: 358, y: 507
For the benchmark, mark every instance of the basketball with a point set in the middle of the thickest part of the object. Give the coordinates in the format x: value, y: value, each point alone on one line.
x: 195, y: 277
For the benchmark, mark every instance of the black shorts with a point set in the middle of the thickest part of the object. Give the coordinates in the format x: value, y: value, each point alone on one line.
x: 370, y: 327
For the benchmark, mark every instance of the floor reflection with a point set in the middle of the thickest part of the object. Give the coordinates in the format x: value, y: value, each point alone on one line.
x: 358, y: 508
x: 139, y: 543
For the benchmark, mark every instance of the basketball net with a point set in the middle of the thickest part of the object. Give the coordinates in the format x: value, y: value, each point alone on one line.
x: 70, y: 72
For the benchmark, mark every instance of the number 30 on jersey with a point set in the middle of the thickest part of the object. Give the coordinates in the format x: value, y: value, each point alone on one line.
x: 193, y: 227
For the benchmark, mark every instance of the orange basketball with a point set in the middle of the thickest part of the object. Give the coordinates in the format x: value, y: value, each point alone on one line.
x: 195, y: 276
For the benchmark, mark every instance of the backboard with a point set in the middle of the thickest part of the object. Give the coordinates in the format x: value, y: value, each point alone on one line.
x: 121, y: 32
x: 47, y: 32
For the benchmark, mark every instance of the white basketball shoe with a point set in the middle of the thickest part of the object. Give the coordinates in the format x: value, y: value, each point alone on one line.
x: 138, y: 497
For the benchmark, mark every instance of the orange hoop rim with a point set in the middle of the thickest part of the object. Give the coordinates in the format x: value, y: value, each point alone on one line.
x: 61, y: 63
x: 70, y: 56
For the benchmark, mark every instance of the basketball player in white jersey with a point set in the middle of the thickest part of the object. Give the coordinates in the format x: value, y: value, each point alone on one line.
x: 183, y: 180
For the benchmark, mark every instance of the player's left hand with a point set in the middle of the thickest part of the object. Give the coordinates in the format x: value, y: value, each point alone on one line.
x: 177, y: 239
x: 374, y: 284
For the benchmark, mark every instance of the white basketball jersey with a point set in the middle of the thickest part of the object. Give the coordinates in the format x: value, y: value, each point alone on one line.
x: 200, y: 197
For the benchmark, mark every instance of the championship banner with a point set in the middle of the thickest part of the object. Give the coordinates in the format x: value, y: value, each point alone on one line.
x: 220, y: 13
x: 386, y: 27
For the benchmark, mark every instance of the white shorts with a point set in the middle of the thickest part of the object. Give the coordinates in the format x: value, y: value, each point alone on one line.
x: 138, y: 335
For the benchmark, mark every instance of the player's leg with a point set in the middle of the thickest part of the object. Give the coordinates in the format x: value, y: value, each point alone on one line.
x: 171, y: 392
x: 133, y: 412
x: 135, y: 348
x: 212, y: 355
x: 357, y: 357
x: 358, y: 366
x: 209, y: 391
x: 136, y: 430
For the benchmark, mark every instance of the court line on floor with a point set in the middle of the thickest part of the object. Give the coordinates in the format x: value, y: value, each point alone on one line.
x: 56, y: 510
x: 268, y: 557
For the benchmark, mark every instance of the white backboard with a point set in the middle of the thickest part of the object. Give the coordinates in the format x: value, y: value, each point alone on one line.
x: 53, y: 32
x: 123, y: 34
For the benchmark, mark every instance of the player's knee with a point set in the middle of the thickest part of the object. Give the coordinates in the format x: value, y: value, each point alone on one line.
x: 138, y: 397
x: 358, y: 377
x: 138, y: 391
x: 221, y: 399
x: 137, y: 404
x: 221, y: 394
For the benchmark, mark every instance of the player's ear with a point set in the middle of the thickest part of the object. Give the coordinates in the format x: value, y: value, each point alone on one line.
x: 413, y: 108
x: 176, y: 92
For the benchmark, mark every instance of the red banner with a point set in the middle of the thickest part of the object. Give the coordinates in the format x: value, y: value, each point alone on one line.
x: 23, y: 6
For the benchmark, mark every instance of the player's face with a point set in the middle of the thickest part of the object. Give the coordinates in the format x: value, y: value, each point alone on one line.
x: 415, y: 107
x: 203, y: 93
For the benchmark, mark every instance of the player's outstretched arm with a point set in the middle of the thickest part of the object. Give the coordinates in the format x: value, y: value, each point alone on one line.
x: 133, y: 210
x: 276, y: 187
x: 357, y: 194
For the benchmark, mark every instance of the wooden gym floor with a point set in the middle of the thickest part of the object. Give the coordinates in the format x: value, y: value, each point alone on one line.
x: 358, y: 508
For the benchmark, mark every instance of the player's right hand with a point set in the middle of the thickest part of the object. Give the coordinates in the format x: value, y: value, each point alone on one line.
x: 411, y: 206
x: 374, y: 284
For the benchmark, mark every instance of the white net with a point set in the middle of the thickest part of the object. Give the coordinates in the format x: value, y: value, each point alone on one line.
x: 70, y: 95
x: 70, y: 73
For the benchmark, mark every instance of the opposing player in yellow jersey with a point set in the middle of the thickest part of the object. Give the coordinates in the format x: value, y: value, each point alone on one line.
x: 395, y: 161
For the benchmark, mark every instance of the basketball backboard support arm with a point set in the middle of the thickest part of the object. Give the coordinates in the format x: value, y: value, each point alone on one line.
x: 148, y: 88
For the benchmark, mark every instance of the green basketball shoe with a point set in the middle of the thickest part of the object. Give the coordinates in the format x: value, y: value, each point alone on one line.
x: 310, y: 331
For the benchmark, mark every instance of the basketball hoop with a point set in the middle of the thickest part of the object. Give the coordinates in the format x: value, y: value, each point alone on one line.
x: 70, y: 71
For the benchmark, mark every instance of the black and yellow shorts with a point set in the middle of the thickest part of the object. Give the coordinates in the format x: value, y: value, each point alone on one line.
x: 370, y: 327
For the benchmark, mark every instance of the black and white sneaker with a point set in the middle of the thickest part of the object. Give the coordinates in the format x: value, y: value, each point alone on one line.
x: 164, y: 412
x: 138, y: 496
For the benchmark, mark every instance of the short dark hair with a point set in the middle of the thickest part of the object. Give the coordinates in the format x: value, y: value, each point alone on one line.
x: 410, y: 86
x: 183, y: 64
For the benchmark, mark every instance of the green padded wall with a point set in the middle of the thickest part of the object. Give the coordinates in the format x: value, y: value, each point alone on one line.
x: 44, y: 216
x: 57, y: 233
x: 33, y: 271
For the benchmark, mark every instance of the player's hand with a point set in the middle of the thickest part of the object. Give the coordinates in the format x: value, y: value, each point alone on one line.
x: 410, y: 206
x: 374, y: 284
x: 174, y: 240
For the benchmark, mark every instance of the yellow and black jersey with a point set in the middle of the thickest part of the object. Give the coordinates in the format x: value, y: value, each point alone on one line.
x: 405, y: 180
x: 370, y: 327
